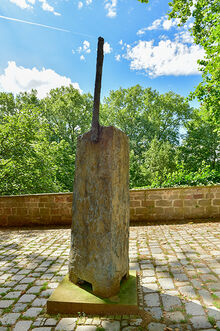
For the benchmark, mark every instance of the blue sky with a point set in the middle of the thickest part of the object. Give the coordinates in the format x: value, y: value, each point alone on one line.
x: 141, y: 46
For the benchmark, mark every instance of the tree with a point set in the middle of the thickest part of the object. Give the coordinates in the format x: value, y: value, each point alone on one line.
x: 68, y: 113
x: 38, y: 139
x: 159, y: 160
x: 26, y: 159
x: 201, y: 145
x: 206, y: 33
x: 144, y: 114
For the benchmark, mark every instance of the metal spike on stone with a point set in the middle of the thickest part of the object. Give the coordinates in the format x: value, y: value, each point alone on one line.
x: 97, y: 91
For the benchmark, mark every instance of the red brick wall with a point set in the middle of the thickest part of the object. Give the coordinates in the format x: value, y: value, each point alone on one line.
x: 175, y: 203
x: 38, y: 209
x: 156, y: 205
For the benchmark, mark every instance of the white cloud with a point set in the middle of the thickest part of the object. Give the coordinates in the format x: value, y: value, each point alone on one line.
x: 21, y: 3
x: 24, y: 4
x: 155, y: 25
x: 166, y: 58
x: 17, y: 79
x: 120, y: 42
x: 84, y: 49
x: 107, y: 48
x: 111, y: 7
x: 80, y: 4
x: 88, y: 2
x: 86, y: 46
x: 161, y: 23
x: 46, y: 7
x: 141, y: 31
x: 184, y: 37
x: 118, y: 57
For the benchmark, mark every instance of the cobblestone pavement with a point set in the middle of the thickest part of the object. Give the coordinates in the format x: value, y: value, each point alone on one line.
x: 179, y: 268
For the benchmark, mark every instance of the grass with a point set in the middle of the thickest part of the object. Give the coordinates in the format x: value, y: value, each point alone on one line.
x: 212, y: 321
x: 27, y: 318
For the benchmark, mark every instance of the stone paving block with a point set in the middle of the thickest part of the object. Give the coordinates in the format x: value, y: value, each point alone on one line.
x: 34, y: 289
x: 32, y: 312
x: 13, y: 295
x: 194, y: 309
x: 200, y: 322
x: 46, y: 293
x: 209, y: 278
x: 19, y: 307
x: 213, y: 286
x: 170, y: 302
x: 187, y: 291
x: 17, y: 277
x: 50, y: 322
x: 151, y: 287
x: 43, y: 329
x: 86, y: 328
x: 27, y: 298
x: 156, y: 327
x: 6, y: 303
x: 39, y: 321
x: 166, y: 283
x: 130, y: 328
x: 111, y: 325
x: 152, y: 300
x: 214, y: 312
x: 146, y: 280
x: 22, y: 326
x: 176, y: 316
x: 148, y: 273
x: 9, y: 319
x: 206, y: 297
x: 27, y: 280
x: 39, y: 302
x: 4, y: 289
x: 66, y: 324
x: 155, y: 312
x: 22, y: 287
x: 180, y: 277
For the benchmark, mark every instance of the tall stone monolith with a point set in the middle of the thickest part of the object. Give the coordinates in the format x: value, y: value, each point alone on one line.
x: 100, y: 218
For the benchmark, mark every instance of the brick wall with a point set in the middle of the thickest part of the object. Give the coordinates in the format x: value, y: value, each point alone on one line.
x: 175, y: 203
x: 155, y: 205
x: 36, y: 209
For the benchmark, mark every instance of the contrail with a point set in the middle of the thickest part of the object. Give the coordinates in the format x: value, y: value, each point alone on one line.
x: 43, y: 25
x: 32, y: 23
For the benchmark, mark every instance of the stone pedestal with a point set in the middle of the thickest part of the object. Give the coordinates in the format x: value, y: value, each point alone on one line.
x: 100, y: 225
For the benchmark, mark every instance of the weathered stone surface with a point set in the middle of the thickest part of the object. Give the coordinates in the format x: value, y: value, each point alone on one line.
x: 100, y: 225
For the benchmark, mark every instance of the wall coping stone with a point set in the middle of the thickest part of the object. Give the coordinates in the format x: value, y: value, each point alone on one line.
x: 131, y: 190
x: 173, y: 188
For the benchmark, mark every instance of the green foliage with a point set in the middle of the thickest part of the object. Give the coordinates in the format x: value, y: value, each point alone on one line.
x: 38, y: 138
x: 201, y: 142
x: 206, y: 33
x: 159, y: 160
x: 26, y: 164
x: 144, y: 114
x: 183, y: 177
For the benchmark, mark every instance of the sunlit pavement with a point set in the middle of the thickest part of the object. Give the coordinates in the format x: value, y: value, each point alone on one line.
x: 179, y: 267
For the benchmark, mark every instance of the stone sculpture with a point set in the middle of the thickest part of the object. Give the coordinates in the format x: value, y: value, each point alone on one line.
x: 100, y: 218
